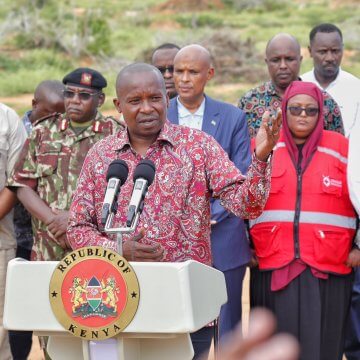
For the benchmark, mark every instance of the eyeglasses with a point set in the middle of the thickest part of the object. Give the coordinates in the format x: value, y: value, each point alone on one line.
x: 163, y: 69
x: 83, y: 95
x: 297, y: 110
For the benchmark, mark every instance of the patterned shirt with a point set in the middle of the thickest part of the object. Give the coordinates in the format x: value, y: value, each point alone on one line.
x: 50, y: 164
x: 264, y: 97
x: 191, y: 167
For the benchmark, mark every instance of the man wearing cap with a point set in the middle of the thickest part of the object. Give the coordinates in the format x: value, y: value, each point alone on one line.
x: 46, y: 173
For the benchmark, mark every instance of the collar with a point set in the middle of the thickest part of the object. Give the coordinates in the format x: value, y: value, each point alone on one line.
x: 26, y: 117
x: 167, y: 135
x: 333, y: 83
x: 96, y: 123
x: 270, y: 88
x: 184, y: 112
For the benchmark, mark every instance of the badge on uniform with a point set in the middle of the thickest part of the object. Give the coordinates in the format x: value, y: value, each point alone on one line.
x: 64, y: 124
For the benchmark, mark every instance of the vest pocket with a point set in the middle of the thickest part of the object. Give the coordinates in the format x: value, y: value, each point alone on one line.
x: 265, y: 238
x: 331, y: 246
x: 277, y: 179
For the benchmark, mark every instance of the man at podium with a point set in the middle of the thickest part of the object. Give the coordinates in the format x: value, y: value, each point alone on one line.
x: 191, y: 167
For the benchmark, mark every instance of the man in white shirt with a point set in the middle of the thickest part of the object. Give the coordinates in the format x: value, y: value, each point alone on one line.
x: 12, y: 138
x: 352, y: 344
x: 326, y: 49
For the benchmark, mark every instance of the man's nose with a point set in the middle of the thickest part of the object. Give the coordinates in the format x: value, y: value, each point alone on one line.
x: 168, y: 74
x: 185, y: 76
x: 329, y: 56
x: 145, y: 107
x: 283, y: 63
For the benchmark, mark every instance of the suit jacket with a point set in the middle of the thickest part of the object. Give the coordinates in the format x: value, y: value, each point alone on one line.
x: 227, y: 124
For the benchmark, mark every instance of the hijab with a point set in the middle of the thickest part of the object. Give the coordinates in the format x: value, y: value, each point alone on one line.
x: 311, y: 143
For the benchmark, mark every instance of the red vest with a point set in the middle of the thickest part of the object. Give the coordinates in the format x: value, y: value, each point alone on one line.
x: 309, y: 216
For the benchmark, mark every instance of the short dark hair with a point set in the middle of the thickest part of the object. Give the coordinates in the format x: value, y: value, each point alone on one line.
x: 167, y: 46
x: 324, y: 28
x: 136, y: 68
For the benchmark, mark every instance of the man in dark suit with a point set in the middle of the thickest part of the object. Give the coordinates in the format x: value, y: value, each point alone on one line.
x: 227, y: 124
x: 163, y: 59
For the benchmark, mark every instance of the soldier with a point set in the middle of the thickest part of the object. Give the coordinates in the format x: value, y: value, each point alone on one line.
x: 45, y: 175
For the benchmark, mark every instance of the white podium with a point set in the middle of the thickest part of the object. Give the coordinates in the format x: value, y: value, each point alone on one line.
x: 176, y: 299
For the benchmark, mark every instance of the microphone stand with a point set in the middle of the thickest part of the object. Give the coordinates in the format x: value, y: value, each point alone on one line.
x: 119, y: 231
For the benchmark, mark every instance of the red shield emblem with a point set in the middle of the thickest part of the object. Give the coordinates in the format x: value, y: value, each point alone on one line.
x: 94, y: 293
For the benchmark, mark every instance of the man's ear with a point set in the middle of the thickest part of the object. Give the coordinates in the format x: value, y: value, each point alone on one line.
x: 101, y: 99
x: 33, y: 103
x: 117, y: 105
x: 309, y: 48
x: 211, y: 73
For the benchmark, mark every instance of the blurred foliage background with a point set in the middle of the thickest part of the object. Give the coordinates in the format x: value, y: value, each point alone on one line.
x: 45, y: 39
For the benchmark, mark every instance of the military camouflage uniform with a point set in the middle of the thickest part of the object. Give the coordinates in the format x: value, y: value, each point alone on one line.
x: 50, y: 164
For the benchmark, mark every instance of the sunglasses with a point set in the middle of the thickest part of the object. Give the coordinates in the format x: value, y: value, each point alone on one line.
x: 83, y: 95
x: 297, y: 110
x: 163, y: 69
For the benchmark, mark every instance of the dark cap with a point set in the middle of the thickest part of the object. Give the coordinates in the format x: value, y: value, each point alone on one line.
x: 86, y: 77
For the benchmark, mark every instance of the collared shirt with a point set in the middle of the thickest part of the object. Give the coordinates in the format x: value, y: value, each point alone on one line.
x: 264, y: 97
x: 353, y: 169
x: 187, y: 118
x: 345, y: 90
x: 50, y: 164
x: 12, y: 138
x: 27, y: 122
x: 191, y: 167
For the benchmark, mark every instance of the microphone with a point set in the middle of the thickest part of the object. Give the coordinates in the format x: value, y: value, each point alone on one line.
x: 116, y: 176
x: 143, y: 177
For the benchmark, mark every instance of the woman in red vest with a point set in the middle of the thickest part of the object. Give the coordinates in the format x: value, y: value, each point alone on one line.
x: 304, y: 240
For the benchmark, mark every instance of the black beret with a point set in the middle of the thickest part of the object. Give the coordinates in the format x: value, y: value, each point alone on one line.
x: 86, y: 77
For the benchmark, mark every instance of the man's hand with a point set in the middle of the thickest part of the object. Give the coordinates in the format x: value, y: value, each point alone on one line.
x: 267, y: 135
x: 58, y: 223
x: 353, y: 258
x: 7, y: 201
x: 62, y: 242
x: 135, y: 251
x: 254, y: 262
x: 260, y: 343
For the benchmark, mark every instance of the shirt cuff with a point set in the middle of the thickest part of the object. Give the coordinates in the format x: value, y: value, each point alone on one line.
x: 261, y: 166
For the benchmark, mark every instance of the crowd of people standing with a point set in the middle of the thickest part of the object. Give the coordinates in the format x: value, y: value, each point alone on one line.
x: 281, y: 159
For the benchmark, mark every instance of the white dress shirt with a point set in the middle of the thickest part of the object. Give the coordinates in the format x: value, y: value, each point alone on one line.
x: 187, y: 118
x: 345, y: 90
x: 354, y: 165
